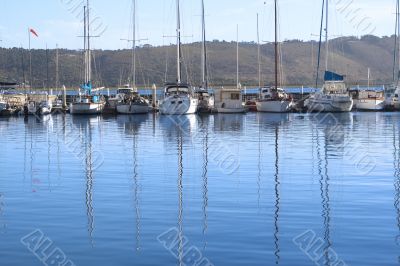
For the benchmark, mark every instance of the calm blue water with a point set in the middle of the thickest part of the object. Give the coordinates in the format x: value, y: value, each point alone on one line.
x: 255, y: 189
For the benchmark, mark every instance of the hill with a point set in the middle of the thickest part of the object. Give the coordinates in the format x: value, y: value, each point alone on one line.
x: 348, y: 55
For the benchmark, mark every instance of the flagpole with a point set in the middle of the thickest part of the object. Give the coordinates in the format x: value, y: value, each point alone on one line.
x: 30, y: 60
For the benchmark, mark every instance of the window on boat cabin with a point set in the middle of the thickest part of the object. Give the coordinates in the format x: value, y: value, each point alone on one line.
x: 235, y: 96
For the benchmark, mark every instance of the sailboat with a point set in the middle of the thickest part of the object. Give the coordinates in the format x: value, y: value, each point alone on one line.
x: 87, y: 103
x: 334, y: 96
x: 206, y: 99
x: 393, y: 91
x: 178, y: 97
x: 230, y: 100
x: 132, y: 102
x: 3, y: 105
x: 274, y: 100
x: 368, y: 100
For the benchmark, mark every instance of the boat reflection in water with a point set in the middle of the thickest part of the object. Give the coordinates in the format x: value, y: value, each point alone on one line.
x: 84, y: 125
x: 229, y: 122
x: 324, y: 182
x: 336, y: 128
x: 204, y: 122
x: 131, y: 124
x: 396, y: 182
x: 272, y: 125
x: 35, y: 128
x: 172, y: 126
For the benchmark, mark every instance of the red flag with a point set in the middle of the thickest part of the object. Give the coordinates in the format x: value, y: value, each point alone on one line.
x: 33, y: 32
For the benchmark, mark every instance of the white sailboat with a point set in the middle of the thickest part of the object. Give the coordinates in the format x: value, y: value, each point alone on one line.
x: 87, y: 103
x: 178, y: 97
x: 206, y: 99
x: 392, y: 100
x: 368, y: 100
x: 274, y: 100
x: 230, y: 100
x: 45, y: 107
x: 33, y: 107
x: 334, y: 96
x: 132, y: 102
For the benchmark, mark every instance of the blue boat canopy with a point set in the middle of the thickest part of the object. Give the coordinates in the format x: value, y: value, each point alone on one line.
x: 332, y: 76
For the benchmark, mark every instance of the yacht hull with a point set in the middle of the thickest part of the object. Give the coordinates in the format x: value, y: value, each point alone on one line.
x: 369, y: 104
x: 329, y: 106
x: 132, y: 109
x: 86, y: 108
x: 33, y: 108
x: 178, y: 105
x: 3, y: 106
x: 45, y: 110
x: 274, y: 106
x: 231, y: 110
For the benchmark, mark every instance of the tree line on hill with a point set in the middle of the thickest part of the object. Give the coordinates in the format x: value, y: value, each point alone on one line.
x: 350, y: 56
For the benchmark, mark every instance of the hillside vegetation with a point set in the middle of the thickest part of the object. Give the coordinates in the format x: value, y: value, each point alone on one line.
x: 350, y: 56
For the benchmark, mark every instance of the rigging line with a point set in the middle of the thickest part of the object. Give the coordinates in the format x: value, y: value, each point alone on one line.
x: 395, y: 57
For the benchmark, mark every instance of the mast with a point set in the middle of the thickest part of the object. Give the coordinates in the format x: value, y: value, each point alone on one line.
x: 89, y: 63
x: 258, y: 54
x: 47, y: 70
x: 134, y: 44
x: 57, y: 68
x: 395, y: 42
x: 237, y: 56
x: 204, y: 49
x: 276, y: 45
x: 326, y: 36
x: 30, y: 60
x: 398, y: 43
x: 178, y: 43
x: 320, y: 44
x: 84, y: 45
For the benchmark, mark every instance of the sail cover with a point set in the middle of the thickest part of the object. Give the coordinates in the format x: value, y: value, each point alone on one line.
x: 331, y: 76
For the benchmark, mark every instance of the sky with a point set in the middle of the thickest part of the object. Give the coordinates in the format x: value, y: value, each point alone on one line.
x: 59, y: 22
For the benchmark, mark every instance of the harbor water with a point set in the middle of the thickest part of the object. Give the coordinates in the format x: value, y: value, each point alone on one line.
x: 255, y: 189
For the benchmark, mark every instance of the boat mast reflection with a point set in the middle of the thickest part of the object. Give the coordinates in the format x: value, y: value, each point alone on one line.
x: 136, y: 188
x: 323, y: 173
x: 277, y: 197
x: 396, y: 168
x: 205, y: 179
x: 180, y: 197
x: 85, y: 134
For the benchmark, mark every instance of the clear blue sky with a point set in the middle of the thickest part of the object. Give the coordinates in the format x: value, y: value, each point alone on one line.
x: 59, y: 21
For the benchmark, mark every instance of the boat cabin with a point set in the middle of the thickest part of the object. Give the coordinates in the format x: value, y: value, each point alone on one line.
x: 268, y: 93
x: 176, y: 89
